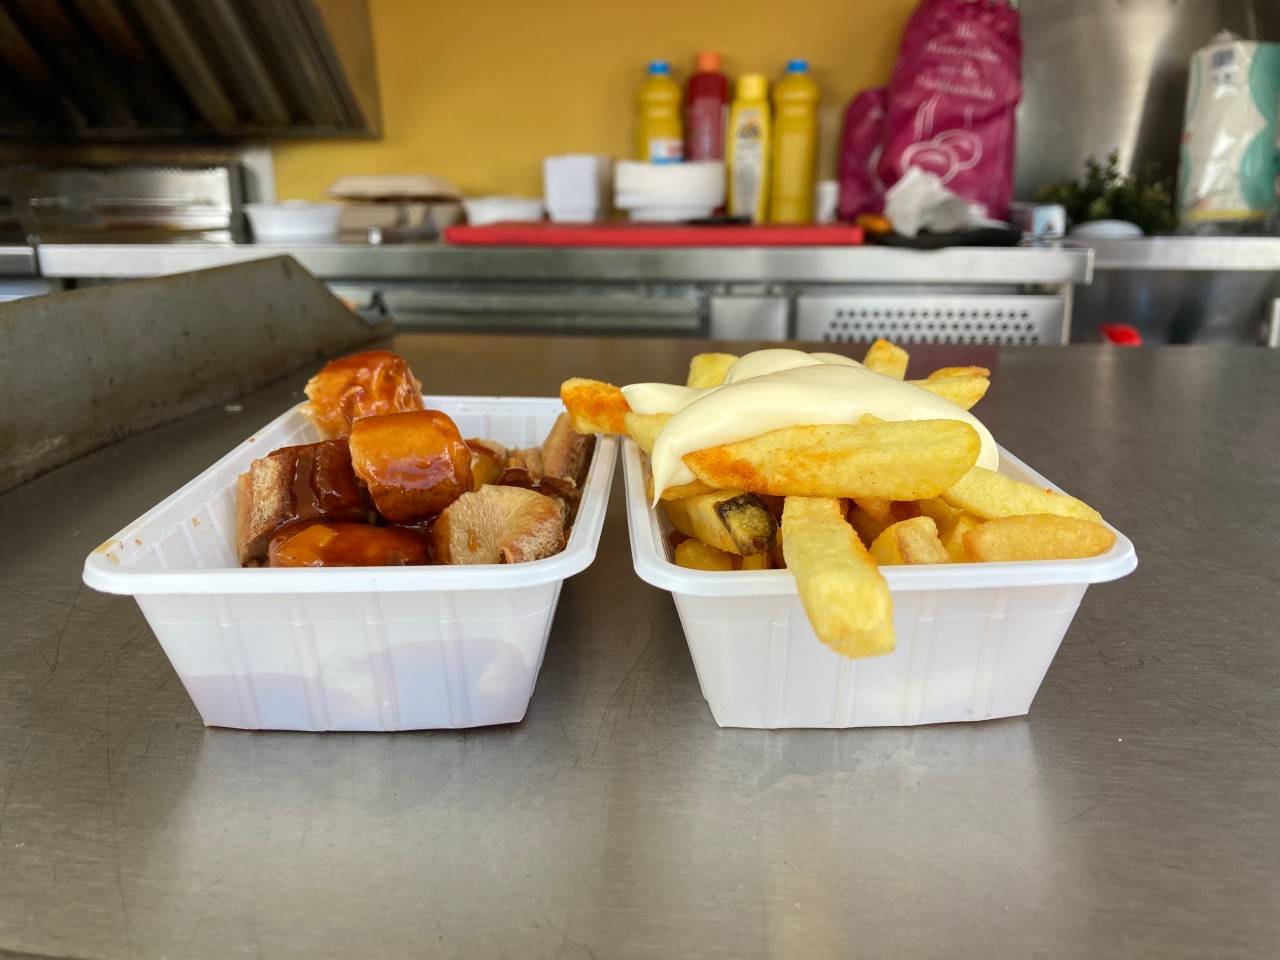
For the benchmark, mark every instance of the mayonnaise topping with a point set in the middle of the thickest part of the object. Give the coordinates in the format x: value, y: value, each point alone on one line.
x: 771, y: 389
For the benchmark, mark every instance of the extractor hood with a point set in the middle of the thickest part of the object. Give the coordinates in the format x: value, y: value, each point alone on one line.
x: 128, y: 70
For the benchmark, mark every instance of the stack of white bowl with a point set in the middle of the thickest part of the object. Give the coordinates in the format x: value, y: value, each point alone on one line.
x: 669, y: 192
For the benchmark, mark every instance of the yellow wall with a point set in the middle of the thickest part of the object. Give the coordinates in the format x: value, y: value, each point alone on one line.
x: 478, y: 91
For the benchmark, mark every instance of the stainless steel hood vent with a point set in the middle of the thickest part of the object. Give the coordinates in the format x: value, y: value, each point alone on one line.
x: 112, y: 70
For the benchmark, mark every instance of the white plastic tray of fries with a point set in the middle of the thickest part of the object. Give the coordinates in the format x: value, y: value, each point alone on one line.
x: 919, y: 586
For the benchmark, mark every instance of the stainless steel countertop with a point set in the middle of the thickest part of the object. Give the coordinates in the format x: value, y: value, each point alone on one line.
x: 1132, y: 813
x: 684, y: 265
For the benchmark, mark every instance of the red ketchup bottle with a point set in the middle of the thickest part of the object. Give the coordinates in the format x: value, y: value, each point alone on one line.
x: 706, y: 107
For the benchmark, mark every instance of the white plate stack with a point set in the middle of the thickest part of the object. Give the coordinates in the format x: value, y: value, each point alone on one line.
x: 669, y: 192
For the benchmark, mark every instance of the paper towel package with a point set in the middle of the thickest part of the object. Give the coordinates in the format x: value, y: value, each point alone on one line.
x: 1230, y: 160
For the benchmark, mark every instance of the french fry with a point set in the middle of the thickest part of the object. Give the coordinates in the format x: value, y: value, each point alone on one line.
x: 887, y: 358
x: 991, y: 495
x: 875, y: 507
x: 903, y: 460
x: 759, y: 561
x: 866, y: 526
x: 644, y: 428
x: 964, y: 391
x: 594, y: 406
x: 1040, y: 536
x: 952, y: 534
x: 937, y: 510
x: 842, y: 591
x: 729, y: 520
x: 943, y: 373
x: 696, y: 555
x: 708, y: 369
x: 679, y: 491
x: 909, y: 542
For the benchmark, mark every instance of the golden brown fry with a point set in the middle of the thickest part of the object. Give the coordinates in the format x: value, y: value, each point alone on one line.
x: 909, y: 542
x: 708, y: 369
x: 728, y: 520
x: 903, y: 460
x: 952, y: 532
x: 866, y: 526
x: 963, y: 391
x: 875, y: 507
x: 678, y: 492
x: 989, y: 495
x: 759, y: 561
x: 842, y: 591
x: 937, y: 510
x: 594, y: 406
x: 1038, y: 537
x: 887, y: 358
x: 696, y: 555
x: 943, y: 373
x: 644, y: 428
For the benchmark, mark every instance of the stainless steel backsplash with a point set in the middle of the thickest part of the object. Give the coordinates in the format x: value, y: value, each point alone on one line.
x: 1106, y: 74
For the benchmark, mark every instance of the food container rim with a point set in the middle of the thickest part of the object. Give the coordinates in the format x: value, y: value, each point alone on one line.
x: 652, y: 566
x: 105, y: 570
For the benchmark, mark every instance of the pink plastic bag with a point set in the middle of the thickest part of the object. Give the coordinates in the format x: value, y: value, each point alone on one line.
x: 860, y: 188
x: 952, y: 98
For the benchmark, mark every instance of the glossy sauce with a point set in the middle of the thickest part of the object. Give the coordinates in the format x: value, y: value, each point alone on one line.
x: 368, y: 384
x: 320, y: 544
x: 324, y: 484
x: 414, y: 464
x: 771, y: 389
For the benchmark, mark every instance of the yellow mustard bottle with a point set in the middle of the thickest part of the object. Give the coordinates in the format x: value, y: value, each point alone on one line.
x: 660, y: 131
x: 795, y: 145
x: 747, y: 148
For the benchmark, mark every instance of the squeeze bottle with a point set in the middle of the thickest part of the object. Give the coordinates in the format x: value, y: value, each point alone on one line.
x: 795, y: 150
x: 706, y: 107
x: 747, y: 148
x: 660, y: 135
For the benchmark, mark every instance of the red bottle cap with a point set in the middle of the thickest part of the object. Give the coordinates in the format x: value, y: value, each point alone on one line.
x: 708, y: 61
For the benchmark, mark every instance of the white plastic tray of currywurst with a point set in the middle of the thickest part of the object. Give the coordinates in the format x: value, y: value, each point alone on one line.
x: 362, y: 648
x: 974, y: 640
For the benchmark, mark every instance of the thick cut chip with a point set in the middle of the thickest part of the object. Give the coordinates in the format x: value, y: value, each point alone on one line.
x: 594, y: 406
x: 1040, y: 536
x: 990, y: 495
x: 942, y: 373
x: 696, y: 555
x: 708, y: 369
x: 678, y: 492
x: 759, y: 561
x: 728, y: 520
x: 887, y: 358
x: 952, y: 531
x: 903, y: 460
x: 875, y: 507
x: 866, y: 526
x: 644, y: 428
x: 842, y: 591
x: 964, y: 391
x: 909, y: 541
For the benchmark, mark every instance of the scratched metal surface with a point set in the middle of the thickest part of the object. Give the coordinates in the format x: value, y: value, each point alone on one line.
x: 1132, y: 813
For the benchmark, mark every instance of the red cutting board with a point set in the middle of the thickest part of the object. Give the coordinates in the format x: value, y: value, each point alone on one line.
x: 653, y: 235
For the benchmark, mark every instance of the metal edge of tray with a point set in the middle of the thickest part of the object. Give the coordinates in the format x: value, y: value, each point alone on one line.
x: 1186, y: 253
x: 1045, y: 265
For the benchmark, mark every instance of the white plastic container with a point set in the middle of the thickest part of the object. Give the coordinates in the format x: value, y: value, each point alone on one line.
x: 576, y: 187
x: 369, y: 648
x: 293, y: 221
x: 664, y: 192
x: 482, y: 211
x: 973, y: 640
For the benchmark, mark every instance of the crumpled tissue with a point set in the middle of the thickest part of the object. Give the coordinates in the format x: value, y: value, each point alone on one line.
x: 919, y: 201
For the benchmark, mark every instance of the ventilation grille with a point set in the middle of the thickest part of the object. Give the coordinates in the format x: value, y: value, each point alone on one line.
x: 960, y: 319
